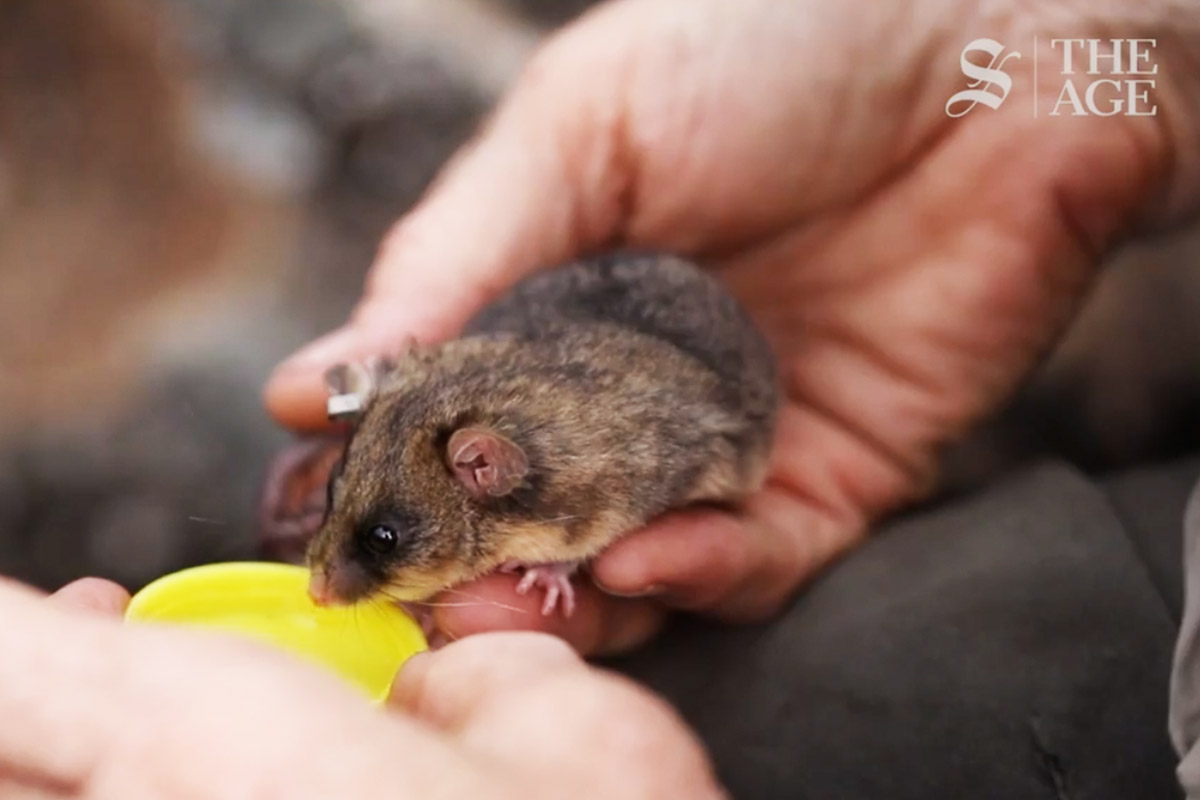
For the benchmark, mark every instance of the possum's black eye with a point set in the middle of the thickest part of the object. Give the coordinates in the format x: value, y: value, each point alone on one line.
x: 384, y: 536
x: 379, y: 539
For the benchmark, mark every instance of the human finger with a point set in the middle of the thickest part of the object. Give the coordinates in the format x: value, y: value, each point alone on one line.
x: 600, y: 624
x: 94, y: 595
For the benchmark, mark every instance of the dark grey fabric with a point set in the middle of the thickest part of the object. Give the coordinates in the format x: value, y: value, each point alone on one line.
x: 1150, y: 503
x: 1013, y: 645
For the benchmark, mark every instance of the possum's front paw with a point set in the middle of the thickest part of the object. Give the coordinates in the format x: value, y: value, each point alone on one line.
x: 554, y: 579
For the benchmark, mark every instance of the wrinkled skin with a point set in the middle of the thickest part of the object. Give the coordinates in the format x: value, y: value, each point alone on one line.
x: 910, y: 268
x: 164, y: 714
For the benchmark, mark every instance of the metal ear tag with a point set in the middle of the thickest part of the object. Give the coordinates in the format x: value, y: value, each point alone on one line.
x: 352, y: 385
x: 342, y: 406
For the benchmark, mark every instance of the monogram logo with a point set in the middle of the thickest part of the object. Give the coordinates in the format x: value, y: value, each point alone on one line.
x: 983, y: 78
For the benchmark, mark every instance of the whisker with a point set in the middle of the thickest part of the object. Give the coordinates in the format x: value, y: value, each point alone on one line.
x: 470, y: 596
x: 479, y: 601
x: 374, y: 605
x: 468, y: 605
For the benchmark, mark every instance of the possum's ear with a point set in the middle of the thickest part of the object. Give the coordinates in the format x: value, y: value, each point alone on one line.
x: 486, y: 463
x: 351, y: 385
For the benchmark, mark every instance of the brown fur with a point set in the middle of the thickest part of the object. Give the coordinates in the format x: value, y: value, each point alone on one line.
x: 633, y: 385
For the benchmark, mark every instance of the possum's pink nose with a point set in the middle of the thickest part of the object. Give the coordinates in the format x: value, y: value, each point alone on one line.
x: 319, y: 591
x: 337, y: 584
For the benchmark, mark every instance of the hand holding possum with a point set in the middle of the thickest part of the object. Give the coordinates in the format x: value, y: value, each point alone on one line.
x: 909, y: 269
x: 577, y: 408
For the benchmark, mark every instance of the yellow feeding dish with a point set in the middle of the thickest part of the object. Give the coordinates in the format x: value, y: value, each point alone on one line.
x: 365, y: 644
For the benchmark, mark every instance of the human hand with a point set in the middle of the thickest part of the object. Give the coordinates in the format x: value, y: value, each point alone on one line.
x: 95, y: 709
x: 910, y: 268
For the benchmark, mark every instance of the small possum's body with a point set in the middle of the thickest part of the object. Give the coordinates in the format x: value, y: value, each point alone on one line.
x: 584, y: 403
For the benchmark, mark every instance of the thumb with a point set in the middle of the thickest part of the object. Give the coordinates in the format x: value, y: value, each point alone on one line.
x: 535, y: 188
x: 94, y: 595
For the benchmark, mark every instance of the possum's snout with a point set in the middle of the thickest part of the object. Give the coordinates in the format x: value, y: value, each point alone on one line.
x: 338, y: 583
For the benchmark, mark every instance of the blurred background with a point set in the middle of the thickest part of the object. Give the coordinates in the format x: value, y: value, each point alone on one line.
x: 190, y: 189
